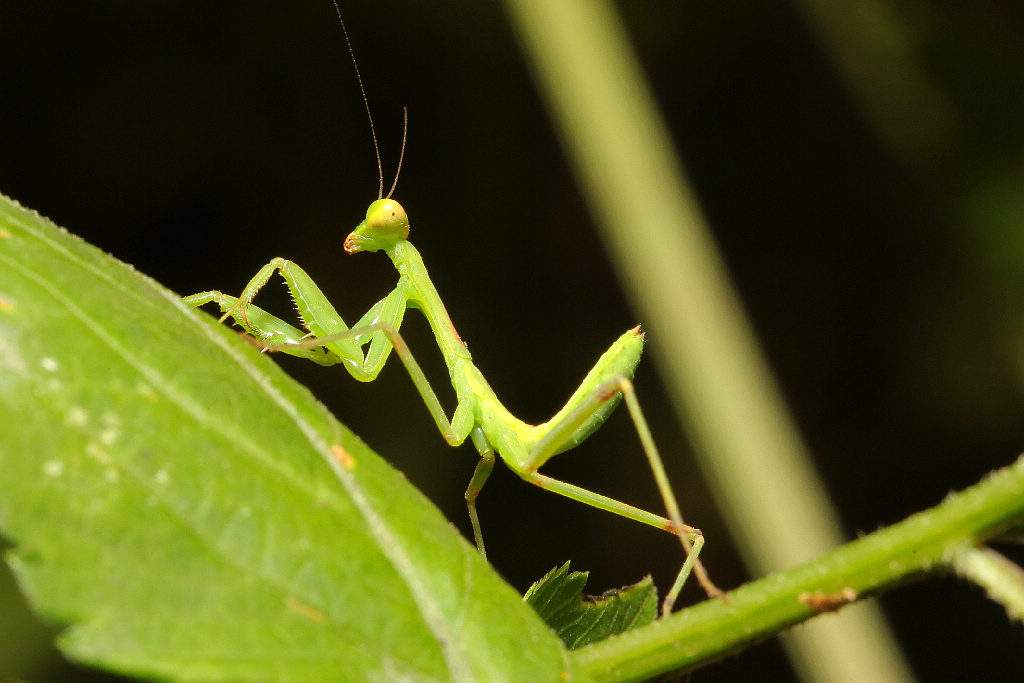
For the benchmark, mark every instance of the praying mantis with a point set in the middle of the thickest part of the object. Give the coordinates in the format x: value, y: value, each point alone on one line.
x: 479, y: 416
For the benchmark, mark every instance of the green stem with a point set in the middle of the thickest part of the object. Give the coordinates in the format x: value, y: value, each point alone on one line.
x: 927, y: 541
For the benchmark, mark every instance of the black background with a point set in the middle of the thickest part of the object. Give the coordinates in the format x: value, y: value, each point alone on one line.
x: 198, y: 140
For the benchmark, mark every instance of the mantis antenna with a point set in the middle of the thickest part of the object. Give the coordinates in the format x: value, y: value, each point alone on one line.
x: 401, y: 154
x: 366, y: 104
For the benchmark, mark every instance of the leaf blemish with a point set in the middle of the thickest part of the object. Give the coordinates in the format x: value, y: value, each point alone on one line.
x: 10, y: 358
x: 162, y: 477
x: 6, y: 305
x: 146, y: 392
x: 343, y: 457
x: 109, y: 436
x: 53, y: 468
x: 305, y: 610
x: 828, y: 602
x: 49, y: 364
x: 76, y: 417
x: 96, y: 452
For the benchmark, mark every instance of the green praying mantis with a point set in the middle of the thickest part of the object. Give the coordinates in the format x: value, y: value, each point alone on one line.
x: 363, y: 350
x: 479, y: 415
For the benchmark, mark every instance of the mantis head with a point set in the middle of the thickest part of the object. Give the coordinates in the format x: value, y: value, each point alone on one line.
x: 386, y: 225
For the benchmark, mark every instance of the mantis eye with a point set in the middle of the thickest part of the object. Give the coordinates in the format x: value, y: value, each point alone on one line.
x: 386, y: 219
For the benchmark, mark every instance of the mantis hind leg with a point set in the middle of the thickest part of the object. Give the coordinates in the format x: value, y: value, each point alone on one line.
x: 553, y: 442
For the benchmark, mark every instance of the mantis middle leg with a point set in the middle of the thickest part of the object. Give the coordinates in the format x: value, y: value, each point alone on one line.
x: 454, y: 431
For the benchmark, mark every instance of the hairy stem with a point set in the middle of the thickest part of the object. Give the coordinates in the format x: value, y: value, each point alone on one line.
x: 926, y: 542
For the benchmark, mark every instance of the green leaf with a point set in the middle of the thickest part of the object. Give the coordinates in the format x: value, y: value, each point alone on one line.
x: 192, y: 513
x: 580, y: 620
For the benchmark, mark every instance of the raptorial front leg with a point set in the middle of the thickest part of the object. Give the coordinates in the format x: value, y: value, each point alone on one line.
x: 328, y: 334
x: 552, y: 443
x: 329, y: 331
x: 315, y: 311
x: 265, y: 327
x: 317, y: 314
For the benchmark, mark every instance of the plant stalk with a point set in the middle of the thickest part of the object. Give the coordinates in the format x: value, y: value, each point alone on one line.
x: 924, y: 543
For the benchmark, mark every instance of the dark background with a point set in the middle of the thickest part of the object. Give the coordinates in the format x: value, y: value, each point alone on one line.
x: 197, y: 140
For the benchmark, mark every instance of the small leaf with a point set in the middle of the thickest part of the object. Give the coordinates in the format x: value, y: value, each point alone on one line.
x: 192, y: 513
x: 580, y: 620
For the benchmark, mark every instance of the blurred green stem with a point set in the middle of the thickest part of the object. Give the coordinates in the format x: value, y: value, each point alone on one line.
x: 930, y: 540
x: 748, y: 447
x: 874, y: 54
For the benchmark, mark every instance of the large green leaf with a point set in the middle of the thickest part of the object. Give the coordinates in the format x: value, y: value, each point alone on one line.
x: 191, y: 512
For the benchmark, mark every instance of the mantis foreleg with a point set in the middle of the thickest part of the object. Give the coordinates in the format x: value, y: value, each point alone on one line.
x: 269, y: 329
x: 316, y: 312
x: 331, y: 337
